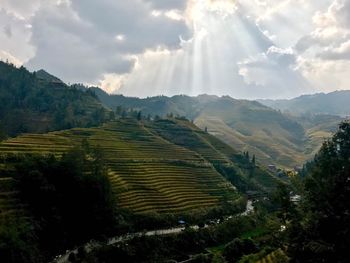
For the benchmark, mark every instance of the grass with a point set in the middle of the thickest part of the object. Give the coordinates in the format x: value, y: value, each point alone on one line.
x: 149, y: 172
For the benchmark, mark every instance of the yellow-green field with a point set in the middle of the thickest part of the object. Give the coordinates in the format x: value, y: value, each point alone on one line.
x: 277, y: 256
x: 148, y: 172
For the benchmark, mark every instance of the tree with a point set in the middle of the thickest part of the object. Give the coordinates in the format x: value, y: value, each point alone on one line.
x: 246, y: 155
x: 286, y: 209
x: 67, y: 196
x: 253, y: 160
x: 119, y: 110
x: 234, y: 250
x: 139, y: 116
x: 111, y: 116
x: 324, y: 233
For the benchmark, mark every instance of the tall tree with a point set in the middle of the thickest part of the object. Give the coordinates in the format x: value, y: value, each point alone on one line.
x: 324, y: 233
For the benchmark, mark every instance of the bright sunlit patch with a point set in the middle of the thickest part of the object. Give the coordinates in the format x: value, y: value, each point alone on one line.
x: 175, y: 15
x: 199, y: 9
x: 112, y: 82
x: 156, y: 13
x: 120, y: 38
x: 5, y: 56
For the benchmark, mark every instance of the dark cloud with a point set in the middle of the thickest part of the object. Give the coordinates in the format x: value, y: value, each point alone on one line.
x: 82, y: 40
x: 8, y: 31
x: 168, y: 4
x: 340, y: 53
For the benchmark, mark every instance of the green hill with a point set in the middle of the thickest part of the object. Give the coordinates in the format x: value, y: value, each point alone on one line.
x: 39, y: 102
x: 161, y: 166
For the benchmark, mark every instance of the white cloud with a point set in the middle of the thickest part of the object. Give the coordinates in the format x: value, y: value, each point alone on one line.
x: 5, y: 56
x: 14, y: 38
x: 326, y: 75
x: 112, y: 82
x: 19, y: 8
x: 325, y: 52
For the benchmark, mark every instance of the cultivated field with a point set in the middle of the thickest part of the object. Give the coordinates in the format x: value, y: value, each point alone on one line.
x: 149, y: 172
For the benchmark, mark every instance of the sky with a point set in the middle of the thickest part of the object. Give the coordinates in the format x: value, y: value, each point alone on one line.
x: 244, y: 49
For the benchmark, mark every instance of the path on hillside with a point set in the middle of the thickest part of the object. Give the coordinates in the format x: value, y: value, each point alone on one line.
x: 159, y: 232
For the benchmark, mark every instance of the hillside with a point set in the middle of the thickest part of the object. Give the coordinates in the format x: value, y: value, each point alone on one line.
x: 39, y: 102
x: 150, y: 169
x: 274, y: 137
x: 334, y: 103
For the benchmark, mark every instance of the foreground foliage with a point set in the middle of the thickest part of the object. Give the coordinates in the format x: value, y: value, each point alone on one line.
x: 30, y: 102
x: 69, y: 201
x: 321, y: 232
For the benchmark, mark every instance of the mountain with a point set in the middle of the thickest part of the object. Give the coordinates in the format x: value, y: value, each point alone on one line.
x: 40, y: 102
x: 45, y: 76
x: 273, y: 137
x: 334, y: 103
x: 168, y: 165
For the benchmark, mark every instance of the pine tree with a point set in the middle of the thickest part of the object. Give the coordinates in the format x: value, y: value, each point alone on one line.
x: 253, y: 160
x: 139, y: 116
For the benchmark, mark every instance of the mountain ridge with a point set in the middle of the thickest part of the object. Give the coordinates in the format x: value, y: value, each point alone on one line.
x: 333, y: 103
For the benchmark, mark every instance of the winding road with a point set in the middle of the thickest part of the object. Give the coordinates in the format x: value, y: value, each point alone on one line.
x: 123, y: 238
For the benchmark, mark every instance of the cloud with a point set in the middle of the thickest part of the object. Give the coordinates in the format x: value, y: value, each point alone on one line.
x: 326, y: 75
x: 19, y: 8
x: 246, y: 49
x: 340, y: 53
x: 14, y: 38
x: 85, y: 40
x: 168, y: 4
x: 227, y: 56
x: 274, y: 71
x: 5, y: 56
x: 324, y: 53
x: 8, y: 31
x: 285, y: 20
x: 331, y: 28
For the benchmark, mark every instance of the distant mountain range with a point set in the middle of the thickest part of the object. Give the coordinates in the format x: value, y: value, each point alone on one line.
x: 274, y: 137
x: 334, y: 103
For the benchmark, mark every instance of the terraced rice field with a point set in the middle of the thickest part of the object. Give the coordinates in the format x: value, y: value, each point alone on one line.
x: 149, y: 173
x: 187, y: 135
x: 9, y: 200
x: 277, y: 256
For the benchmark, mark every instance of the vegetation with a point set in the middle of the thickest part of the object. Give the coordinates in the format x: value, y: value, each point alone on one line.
x: 314, y: 230
x: 320, y: 232
x: 173, y: 247
x: 160, y: 166
x: 30, y: 102
x: 63, y: 198
x: 59, y: 190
